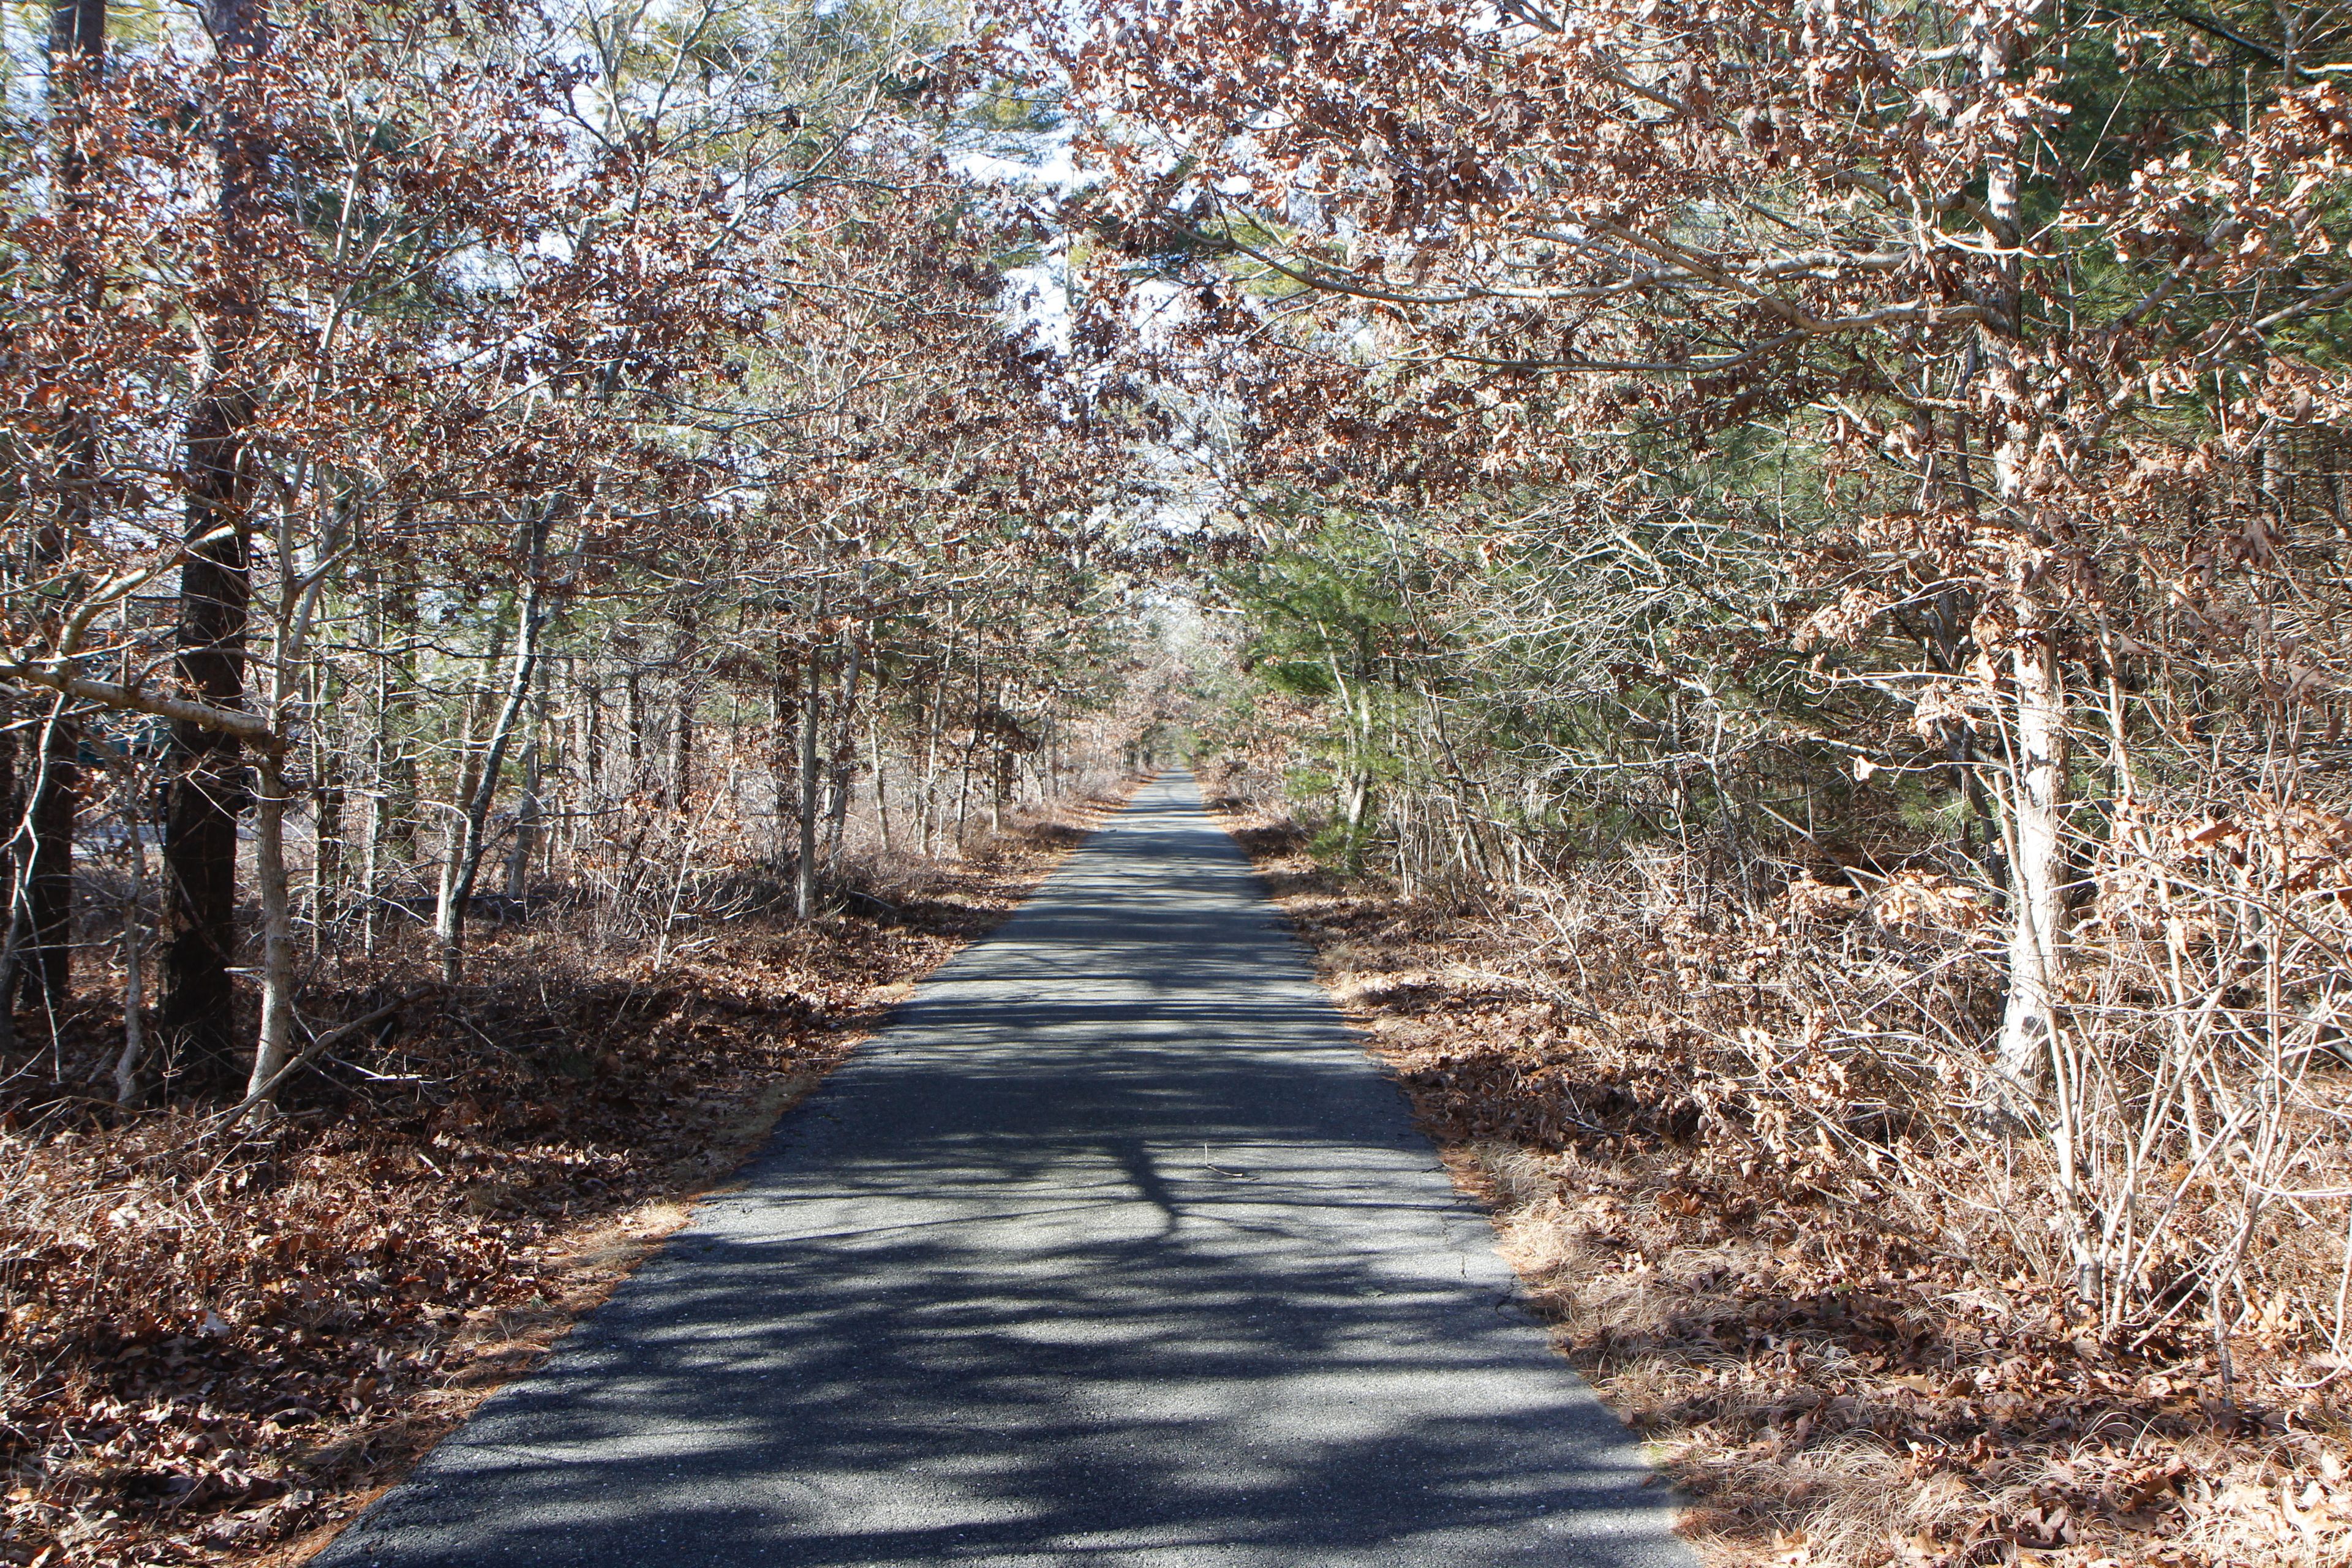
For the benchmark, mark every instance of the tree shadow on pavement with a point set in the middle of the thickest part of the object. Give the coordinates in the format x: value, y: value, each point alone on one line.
x: 1115, y: 1247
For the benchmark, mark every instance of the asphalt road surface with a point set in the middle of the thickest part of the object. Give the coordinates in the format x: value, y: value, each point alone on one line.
x: 1114, y: 1247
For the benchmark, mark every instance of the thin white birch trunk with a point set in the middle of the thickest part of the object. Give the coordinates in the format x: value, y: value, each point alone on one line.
x: 275, y: 1042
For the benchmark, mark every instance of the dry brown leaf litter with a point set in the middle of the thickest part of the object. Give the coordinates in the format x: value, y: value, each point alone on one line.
x: 216, y: 1346
x: 1838, y: 1362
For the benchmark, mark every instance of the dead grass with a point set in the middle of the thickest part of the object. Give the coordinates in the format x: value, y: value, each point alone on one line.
x: 219, y: 1345
x: 1841, y: 1359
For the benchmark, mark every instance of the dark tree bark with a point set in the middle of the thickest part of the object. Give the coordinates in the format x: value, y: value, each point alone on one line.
x: 78, y: 32
x: 633, y: 711
x: 209, y: 788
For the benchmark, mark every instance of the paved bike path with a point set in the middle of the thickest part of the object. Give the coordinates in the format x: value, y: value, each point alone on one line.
x: 1113, y: 1248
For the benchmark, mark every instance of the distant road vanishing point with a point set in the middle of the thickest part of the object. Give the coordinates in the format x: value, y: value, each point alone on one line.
x: 1113, y: 1248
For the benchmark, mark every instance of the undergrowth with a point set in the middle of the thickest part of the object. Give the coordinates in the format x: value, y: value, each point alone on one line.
x: 1843, y: 1333
x: 220, y: 1340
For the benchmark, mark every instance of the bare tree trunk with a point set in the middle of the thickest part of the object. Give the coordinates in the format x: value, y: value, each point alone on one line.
x: 2038, y: 767
x: 566, y: 766
x: 1404, y: 842
x: 208, y: 793
x: 680, y: 771
x: 588, y: 739
x: 527, y: 819
x: 804, y: 862
x: 633, y: 716
x: 293, y: 676
x: 371, y: 867
x: 1355, y: 738
x: 216, y: 589
x: 2038, y: 852
x: 127, y: 1090
x: 12, y: 805
x: 76, y: 64
x: 971, y: 749
x: 276, y: 1035
x: 396, y: 715
x: 465, y: 861
x: 881, y: 788
x: 327, y: 812
x: 378, y: 831
x: 844, y: 751
x: 784, y: 769
x: 49, y: 881
x: 529, y: 812
x: 930, y: 779
x: 963, y: 794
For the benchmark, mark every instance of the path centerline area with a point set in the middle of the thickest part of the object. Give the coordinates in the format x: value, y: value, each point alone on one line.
x: 1114, y: 1247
